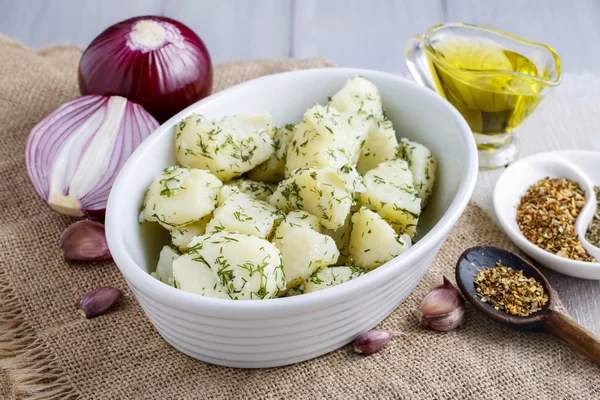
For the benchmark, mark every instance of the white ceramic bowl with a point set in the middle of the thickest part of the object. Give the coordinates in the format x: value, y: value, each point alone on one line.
x: 275, y: 332
x: 579, y: 166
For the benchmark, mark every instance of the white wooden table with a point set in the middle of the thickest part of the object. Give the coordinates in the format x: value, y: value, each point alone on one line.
x: 358, y: 33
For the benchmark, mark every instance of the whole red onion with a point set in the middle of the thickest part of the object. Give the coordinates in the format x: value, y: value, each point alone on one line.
x: 153, y: 61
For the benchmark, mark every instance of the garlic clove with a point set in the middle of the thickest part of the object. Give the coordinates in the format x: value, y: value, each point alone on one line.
x: 443, y: 308
x: 371, y: 342
x: 85, y: 241
x: 98, y: 301
x: 443, y: 322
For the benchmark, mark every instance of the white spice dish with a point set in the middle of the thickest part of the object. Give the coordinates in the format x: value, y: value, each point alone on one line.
x: 579, y: 166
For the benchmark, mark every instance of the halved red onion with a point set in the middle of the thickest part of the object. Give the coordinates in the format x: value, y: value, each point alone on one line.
x: 73, y: 155
x: 153, y: 61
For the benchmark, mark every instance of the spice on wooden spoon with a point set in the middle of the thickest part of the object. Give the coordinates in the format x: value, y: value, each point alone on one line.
x: 473, y: 260
x: 510, y: 291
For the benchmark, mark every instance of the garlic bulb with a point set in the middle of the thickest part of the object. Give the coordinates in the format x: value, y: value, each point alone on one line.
x: 73, y: 155
x: 443, y: 308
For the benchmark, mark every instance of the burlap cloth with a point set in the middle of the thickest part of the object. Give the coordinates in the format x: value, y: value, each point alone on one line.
x: 49, y: 351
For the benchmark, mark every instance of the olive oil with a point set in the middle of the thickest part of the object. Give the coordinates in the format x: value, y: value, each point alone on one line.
x: 478, y: 77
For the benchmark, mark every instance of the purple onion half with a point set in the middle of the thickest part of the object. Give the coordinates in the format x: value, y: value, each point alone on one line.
x: 74, y: 154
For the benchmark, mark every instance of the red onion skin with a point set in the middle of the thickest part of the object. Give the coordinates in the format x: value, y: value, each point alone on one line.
x: 164, y: 80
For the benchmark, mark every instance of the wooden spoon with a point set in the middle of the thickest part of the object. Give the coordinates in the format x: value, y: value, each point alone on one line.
x: 548, y: 319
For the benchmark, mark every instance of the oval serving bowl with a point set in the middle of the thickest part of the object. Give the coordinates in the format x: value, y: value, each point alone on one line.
x: 275, y: 332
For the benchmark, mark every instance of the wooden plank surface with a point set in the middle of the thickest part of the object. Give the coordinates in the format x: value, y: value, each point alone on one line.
x: 570, y: 27
x: 356, y: 33
x: 234, y: 29
x: 369, y: 34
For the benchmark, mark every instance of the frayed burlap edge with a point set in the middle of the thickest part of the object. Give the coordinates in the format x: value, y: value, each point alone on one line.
x: 29, y: 364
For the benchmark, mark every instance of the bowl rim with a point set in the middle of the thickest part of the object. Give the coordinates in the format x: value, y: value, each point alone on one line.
x: 239, y: 309
x: 517, y: 236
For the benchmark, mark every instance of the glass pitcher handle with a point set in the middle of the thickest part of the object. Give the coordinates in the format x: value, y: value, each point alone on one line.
x: 416, y: 61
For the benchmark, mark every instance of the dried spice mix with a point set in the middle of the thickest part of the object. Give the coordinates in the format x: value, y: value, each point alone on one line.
x: 593, y: 232
x: 546, y: 216
x: 510, y: 291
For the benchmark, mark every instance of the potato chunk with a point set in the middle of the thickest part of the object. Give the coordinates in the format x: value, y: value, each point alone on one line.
x: 325, y: 138
x: 341, y: 236
x: 358, y: 96
x: 180, y: 196
x: 258, y: 190
x: 380, y: 145
x: 273, y: 170
x: 230, y: 265
x: 302, y: 218
x: 191, y: 275
x: 391, y: 193
x: 227, y: 148
x: 164, y: 268
x: 317, y: 190
x: 303, y: 250
x: 242, y: 213
x: 373, y: 241
x: 423, y: 166
x: 354, y: 182
x: 330, y: 276
x: 181, y: 236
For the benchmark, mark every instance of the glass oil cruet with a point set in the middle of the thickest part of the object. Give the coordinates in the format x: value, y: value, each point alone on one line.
x: 495, y: 80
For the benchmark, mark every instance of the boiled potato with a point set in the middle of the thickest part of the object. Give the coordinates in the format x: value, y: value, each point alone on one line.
x: 317, y: 190
x: 325, y: 138
x: 303, y: 251
x: 358, y: 96
x: 341, y: 236
x: 242, y: 213
x: 259, y: 212
x: 380, y: 145
x: 330, y: 276
x: 302, y: 218
x: 180, y: 196
x: 164, y: 268
x: 258, y: 190
x: 230, y: 265
x: 373, y: 241
x: 181, y: 236
x: 423, y: 166
x: 227, y: 148
x: 273, y: 170
x: 354, y: 182
x: 390, y: 192
x: 191, y: 275
x: 293, y: 291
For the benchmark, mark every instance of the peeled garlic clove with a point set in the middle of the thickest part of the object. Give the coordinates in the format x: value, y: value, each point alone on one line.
x: 443, y: 308
x: 98, y: 301
x: 371, y: 342
x: 85, y: 241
